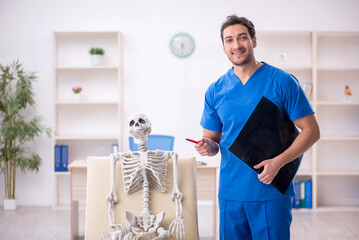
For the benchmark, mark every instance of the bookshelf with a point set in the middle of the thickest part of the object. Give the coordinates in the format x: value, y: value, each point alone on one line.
x: 90, y: 125
x: 329, y: 61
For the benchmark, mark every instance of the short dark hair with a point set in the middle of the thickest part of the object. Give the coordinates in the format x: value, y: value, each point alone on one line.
x: 234, y: 19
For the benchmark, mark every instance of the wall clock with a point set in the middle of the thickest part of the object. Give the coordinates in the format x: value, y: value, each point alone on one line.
x: 182, y: 45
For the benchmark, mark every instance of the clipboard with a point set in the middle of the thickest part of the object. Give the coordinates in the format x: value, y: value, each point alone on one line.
x: 266, y: 134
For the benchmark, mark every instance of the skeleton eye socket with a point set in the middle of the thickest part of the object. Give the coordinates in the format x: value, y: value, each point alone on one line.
x: 131, y: 123
x: 141, y: 121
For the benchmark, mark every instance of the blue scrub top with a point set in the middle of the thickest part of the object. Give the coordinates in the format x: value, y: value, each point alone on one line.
x: 229, y: 104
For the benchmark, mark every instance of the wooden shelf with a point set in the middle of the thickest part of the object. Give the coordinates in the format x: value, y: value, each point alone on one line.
x: 86, y: 67
x: 337, y: 103
x: 337, y: 208
x: 92, y: 124
x: 290, y: 69
x: 339, y: 138
x: 85, y: 33
x: 304, y: 173
x: 86, y: 102
x: 338, y: 173
x: 62, y: 173
x: 309, y: 57
x: 338, y: 69
x: 84, y: 137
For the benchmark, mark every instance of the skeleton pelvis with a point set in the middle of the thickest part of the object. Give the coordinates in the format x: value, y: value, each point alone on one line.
x: 145, y: 221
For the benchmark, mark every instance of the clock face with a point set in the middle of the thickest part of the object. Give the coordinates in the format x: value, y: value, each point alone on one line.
x: 182, y: 45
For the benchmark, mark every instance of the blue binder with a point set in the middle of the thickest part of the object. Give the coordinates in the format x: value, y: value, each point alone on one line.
x: 308, y: 194
x: 57, y: 158
x: 64, y: 157
x: 296, y: 202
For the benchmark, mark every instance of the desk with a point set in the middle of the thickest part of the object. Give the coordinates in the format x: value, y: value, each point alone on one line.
x: 206, y: 190
x: 78, y: 176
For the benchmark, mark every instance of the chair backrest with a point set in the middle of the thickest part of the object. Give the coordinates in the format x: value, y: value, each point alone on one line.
x: 155, y: 142
x: 98, y: 186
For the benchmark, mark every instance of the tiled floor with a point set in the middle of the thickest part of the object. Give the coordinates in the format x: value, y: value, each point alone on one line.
x: 40, y: 223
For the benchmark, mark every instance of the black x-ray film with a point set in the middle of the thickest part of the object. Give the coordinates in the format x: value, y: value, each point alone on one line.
x: 266, y: 134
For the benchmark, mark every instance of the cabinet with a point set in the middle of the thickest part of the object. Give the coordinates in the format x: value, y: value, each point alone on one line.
x: 328, y: 62
x: 91, y: 124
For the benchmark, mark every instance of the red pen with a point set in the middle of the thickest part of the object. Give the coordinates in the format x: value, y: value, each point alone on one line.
x: 190, y: 140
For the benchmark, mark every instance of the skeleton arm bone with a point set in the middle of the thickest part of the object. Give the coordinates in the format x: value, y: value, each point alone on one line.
x: 176, y: 191
x: 177, y: 228
x: 112, y: 196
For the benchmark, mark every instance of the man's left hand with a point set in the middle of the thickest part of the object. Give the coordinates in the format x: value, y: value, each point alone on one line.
x: 270, y: 170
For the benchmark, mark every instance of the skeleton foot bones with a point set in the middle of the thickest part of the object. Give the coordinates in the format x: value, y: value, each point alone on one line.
x: 144, y: 169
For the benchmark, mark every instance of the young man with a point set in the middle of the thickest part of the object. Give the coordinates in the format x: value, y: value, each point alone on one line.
x: 251, y: 208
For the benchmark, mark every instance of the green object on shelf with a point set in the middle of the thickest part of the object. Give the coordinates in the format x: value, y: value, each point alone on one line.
x: 97, y: 51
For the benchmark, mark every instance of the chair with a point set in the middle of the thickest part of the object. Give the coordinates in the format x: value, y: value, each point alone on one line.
x: 154, y: 142
x: 98, y: 186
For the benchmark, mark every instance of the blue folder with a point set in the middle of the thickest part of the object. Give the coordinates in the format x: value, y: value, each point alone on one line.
x: 308, y: 194
x: 57, y: 158
x: 64, y: 157
x: 296, y: 200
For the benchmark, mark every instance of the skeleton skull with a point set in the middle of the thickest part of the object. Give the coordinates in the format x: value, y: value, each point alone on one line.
x: 140, y: 127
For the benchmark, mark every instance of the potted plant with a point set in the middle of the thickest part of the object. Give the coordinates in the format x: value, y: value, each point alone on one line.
x: 77, y: 93
x: 96, y: 54
x: 16, y: 126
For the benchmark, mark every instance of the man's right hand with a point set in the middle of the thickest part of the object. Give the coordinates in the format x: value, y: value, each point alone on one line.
x: 202, y: 147
x: 209, y: 144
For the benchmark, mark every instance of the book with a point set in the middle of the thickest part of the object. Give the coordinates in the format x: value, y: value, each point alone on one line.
x: 57, y: 158
x: 302, y: 194
x: 266, y: 134
x: 64, y: 158
x: 296, y: 199
x: 308, y: 194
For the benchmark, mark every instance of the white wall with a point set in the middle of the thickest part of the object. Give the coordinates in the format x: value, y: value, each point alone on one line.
x: 169, y: 90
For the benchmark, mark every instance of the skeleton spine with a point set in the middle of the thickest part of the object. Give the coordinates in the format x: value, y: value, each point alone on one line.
x: 143, y: 148
x: 145, y: 193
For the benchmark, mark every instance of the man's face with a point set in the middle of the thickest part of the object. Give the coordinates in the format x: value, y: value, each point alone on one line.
x: 238, y: 45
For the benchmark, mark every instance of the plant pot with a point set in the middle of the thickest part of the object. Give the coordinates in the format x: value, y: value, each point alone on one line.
x: 96, y: 59
x: 76, y: 96
x: 9, y: 204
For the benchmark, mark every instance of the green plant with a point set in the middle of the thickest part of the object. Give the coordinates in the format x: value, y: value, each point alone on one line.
x: 16, y: 101
x: 97, y: 51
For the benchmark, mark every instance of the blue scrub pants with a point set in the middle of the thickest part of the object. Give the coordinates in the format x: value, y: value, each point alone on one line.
x: 257, y: 220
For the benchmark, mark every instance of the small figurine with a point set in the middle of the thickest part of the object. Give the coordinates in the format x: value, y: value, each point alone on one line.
x: 348, y: 94
x: 282, y: 55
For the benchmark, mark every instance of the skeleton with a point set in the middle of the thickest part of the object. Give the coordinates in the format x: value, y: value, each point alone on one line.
x: 144, y: 169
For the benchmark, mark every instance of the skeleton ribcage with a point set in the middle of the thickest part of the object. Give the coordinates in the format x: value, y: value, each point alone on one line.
x: 155, y: 169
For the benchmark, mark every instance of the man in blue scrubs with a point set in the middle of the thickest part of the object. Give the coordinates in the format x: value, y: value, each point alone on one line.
x: 250, y: 207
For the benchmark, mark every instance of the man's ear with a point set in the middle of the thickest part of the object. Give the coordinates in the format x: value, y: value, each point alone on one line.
x: 254, y: 42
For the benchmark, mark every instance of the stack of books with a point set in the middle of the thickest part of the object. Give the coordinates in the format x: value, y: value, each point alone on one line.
x: 61, y: 158
x: 303, y: 194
